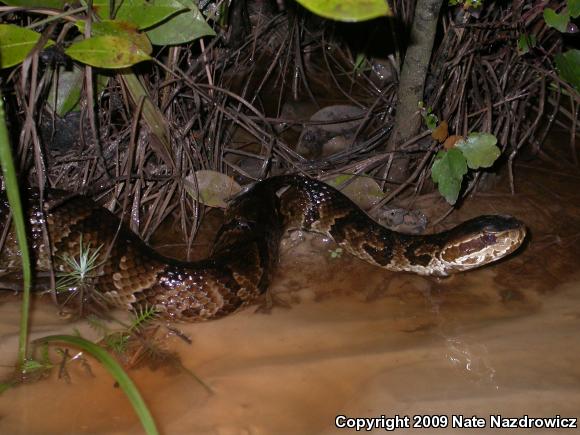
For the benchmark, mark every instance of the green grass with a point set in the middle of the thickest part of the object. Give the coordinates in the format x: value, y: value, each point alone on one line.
x: 11, y: 182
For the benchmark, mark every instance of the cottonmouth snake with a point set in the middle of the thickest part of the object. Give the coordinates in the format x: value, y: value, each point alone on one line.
x: 246, y: 248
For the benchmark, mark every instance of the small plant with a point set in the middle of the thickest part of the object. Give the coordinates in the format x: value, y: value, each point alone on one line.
x: 526, y: 43
x: 478, y: 150
x: 42, y: 364
x: 31, y: 370
x: 118, y: 341
x: 335, y: 253
x: 429, y: 117
x: 568, y: 62
x: 77, y: 275
x: 82, y: 269
x: 137, y: 342
x: 467, y: 4
x: 36, y: 368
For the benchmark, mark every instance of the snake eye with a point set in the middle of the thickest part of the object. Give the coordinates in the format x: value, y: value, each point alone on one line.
x: 487, y: 229
x: 489, y: 239
x: 243, y: 224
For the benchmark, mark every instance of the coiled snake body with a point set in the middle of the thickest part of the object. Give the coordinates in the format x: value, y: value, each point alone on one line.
x: 246, y: 249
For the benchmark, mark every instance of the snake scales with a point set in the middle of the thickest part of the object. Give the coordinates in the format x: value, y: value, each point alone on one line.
x: 246, y: 248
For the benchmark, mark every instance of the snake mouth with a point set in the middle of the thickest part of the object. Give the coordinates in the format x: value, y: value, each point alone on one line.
x: 482, y: 241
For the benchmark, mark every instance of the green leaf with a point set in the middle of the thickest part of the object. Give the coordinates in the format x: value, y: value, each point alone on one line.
x: 360, y: 61
x: 120, y: 29
x: 479, y: 150
x: 431, y: 120
x: 69, y: 90
x: 568, y: 64
x: 52, y: 4
x: 102, y: 8
x: 473, y: 4
x: 348, y: 10
x: 574, y: 8
x: 184, y: 27
x: 147, y: 13
x: 107, y: 52
x: 448, y: 171
x: 555, y: 20
x: 526, y: 43
x: 15, y: 44
x: 65, y: 93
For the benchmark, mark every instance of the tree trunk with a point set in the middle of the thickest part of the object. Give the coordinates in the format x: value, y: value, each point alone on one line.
x: 412, y: 82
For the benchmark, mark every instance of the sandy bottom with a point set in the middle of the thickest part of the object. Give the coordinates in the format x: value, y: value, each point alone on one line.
x: 356, y: 341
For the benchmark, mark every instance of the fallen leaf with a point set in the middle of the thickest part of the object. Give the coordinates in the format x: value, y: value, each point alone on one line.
x: 441, y: 132
x: 214, y: 188
x: 451, y: 141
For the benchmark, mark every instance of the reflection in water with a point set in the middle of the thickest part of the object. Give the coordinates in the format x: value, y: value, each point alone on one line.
x: 357, y: 341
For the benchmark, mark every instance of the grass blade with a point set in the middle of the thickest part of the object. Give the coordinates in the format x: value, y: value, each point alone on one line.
x: 116, y: 371
x: 11, y: 182
x: 152, y: 116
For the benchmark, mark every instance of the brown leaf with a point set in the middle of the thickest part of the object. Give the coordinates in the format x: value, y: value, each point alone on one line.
x: 451, y: 141
x: 441, y: 132
x: 213, y: 188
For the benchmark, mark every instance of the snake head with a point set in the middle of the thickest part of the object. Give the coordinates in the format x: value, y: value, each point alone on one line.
x: 481, y: 241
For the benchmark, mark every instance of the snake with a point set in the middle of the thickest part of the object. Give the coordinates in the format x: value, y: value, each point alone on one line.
x: 245, y: 253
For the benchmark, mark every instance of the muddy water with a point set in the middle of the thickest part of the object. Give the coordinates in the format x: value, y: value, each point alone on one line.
x: 356, y: 341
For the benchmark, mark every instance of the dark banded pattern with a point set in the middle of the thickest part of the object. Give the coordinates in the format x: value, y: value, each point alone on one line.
x: 246, y: 248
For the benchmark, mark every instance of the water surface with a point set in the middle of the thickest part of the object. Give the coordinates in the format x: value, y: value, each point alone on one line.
x: 356, y: 340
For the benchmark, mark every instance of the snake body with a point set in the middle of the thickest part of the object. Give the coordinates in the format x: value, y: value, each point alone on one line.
x: 245, y: 253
